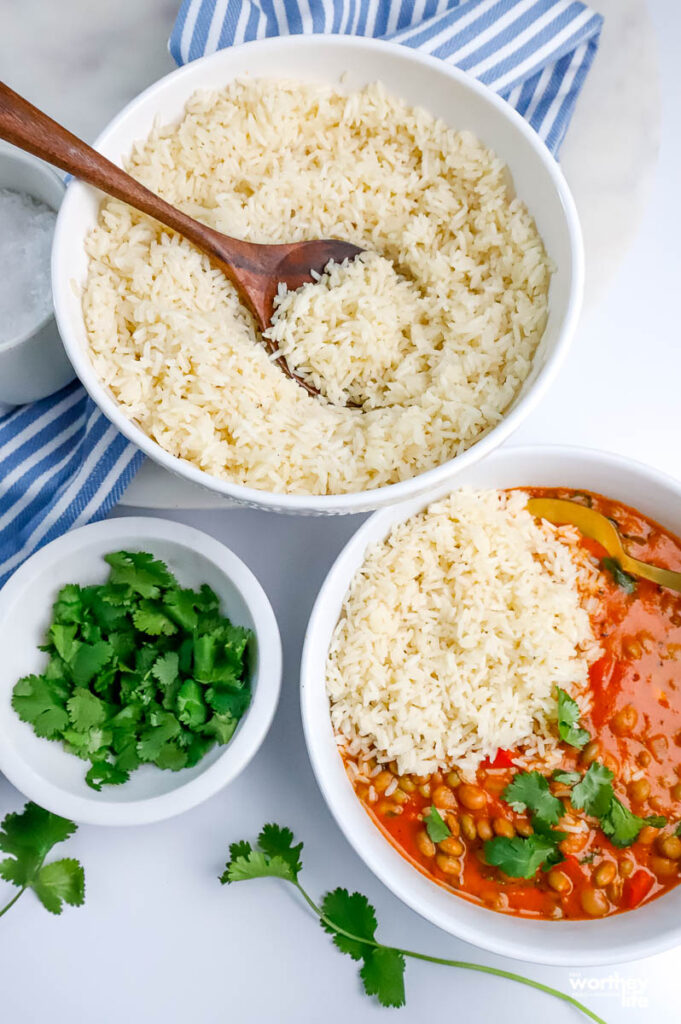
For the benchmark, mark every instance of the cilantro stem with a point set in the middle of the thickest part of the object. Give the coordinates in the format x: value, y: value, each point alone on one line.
x: 12, y: 901
x: 463, y: 964
x: 484, y: 969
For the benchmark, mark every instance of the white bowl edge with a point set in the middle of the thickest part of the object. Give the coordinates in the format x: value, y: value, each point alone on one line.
x: 324, y: 58
x: 222, y: 765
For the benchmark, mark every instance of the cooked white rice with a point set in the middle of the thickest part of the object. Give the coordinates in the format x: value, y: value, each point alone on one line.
x: 275, y: 161
x: 455, y: 633
x: 362, y: 334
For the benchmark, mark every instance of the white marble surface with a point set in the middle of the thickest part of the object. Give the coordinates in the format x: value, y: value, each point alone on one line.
x: 158, y: 940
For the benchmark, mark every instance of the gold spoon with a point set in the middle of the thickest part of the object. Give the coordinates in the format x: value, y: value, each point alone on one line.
x: 599, y: 528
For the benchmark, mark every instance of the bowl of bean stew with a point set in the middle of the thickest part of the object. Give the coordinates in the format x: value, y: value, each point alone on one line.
x: 575, y: 859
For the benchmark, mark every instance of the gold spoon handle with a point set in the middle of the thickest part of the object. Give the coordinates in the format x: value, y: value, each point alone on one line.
x: 599, y: 528
x: 663, y: 577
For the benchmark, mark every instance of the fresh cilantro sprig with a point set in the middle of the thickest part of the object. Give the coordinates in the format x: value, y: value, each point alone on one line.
x: 140, y: 670
x: 351, y: 921
x: 522, y: 856
x: 28, y: 837
x: 569, y: 729
x: 594, y: 794
x: 530, y: 791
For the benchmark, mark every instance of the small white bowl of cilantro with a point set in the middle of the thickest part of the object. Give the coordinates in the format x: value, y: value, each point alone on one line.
x: 141, y: 671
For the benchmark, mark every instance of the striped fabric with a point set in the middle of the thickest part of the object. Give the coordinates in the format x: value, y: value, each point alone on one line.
x: 62, y: 464
x: 534, y: 53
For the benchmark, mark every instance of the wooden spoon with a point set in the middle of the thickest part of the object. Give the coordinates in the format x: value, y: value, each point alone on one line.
x: 599, y: 528
x: 255, y: 270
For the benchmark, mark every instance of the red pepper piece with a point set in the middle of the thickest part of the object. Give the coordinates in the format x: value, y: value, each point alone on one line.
x: 637, y: 888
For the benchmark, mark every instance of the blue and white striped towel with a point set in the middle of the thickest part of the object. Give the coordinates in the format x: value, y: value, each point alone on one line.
x: 62, y: 464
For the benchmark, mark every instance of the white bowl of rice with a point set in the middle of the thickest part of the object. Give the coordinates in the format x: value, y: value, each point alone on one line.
x: 451, y: 595
x: 445, y: 334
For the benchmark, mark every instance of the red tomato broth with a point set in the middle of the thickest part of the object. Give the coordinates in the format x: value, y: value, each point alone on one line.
x: 640, y: 669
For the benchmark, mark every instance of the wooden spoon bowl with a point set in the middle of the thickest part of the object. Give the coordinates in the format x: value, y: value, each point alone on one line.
x: 255, y: 270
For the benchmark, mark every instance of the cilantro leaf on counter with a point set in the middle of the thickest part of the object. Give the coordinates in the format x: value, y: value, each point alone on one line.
x: 530, y: 791
x: 623, y: 579
x: 28, y: 837
x: 278, y: 842
x: 276, y: 856
x: 383, y: 975
x: 436, y: 827
x: 139, y: 670
x: 351, y: 920
x: 569, y: 729
x: 355, y: 916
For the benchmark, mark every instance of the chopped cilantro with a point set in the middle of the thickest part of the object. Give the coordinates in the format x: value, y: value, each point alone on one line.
x: 139, y: 670
x: 567, y: 778
x: 139, y: 572
x: 436, y: 828
x: 569, y: 729
x: 191, y: 707
x: 623, y: 579
x: 350, y: 919
x: 42, y: 703
x: 530, y: 790
x: 28, y: 837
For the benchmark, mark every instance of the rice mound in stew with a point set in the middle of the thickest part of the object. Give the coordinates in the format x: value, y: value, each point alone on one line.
x: 432, y: 332
x: 456, y: 631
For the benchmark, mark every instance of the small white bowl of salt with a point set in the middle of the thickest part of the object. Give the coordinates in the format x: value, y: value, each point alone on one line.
x: 33, y: 363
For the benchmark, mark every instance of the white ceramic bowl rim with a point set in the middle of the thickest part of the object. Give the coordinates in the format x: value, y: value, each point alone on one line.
x: 362, y: 500
x: 650, y: 929
x: 97, y: 809
x: 10, y: 154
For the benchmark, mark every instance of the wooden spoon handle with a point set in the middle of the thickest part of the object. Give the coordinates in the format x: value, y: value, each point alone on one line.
x: 25, y: 126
